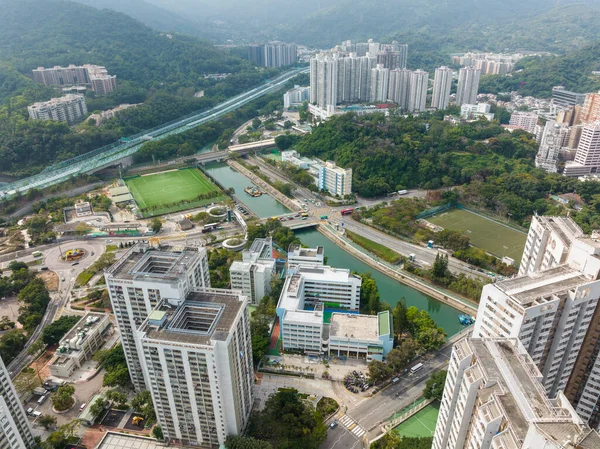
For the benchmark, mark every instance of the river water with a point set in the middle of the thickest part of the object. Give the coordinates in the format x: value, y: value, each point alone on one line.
x: 390, y: 290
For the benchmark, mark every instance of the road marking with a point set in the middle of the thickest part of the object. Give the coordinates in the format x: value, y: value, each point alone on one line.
x: 354, y: 428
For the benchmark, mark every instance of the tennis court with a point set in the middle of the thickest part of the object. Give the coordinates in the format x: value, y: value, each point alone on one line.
x: 169, y: 187
x: 487, y: 234
x: 421, y: 424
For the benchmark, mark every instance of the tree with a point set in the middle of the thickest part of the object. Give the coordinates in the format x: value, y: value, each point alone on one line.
x: 82, y: 229
x: 370, y: 301
x: 116, y: 397
x: 234, y: 442
x: 256, y: 122
x: 378, y: 371
x: 63, y: 398
x: 59, y: 438
x: 287, y: 124
x: 156, y: 225
x: 53, y: 332
x: 399, y: 357
x: 116, y: 377
x: 47, y: 421
x: 158, y: 434
x: 440, y: 267
x: 434, y: 388
x: 142, y: 403
x: 98, y: 407
x: 259, y: 332
x: 399, y: 315
x: 11, y: 344
x: 36, y: 347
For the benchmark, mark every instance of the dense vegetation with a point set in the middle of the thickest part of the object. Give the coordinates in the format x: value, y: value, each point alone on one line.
x: 393, y: 440
x: 494, y: 170
x: 282, y: 236
x: 219, y: 261
x: 288, y: 422
x: 113, y: 360
x: 537, y: 76
x: 56, y: 330
x: 162, y: 71
x: 261, y: 320
x: 434, y: 387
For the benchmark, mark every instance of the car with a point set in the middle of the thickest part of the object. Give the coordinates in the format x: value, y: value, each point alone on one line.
x: 92, y: 253
x: 471, y: 267
x: 333, y: 425
x: 36, y: 414
x: 74, y: 263
x: 82, y: 406
x: 29, y: 411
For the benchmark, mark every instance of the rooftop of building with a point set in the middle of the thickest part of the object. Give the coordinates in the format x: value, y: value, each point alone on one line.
x: 303, y: 316
x: 570, y: 435
x: 148, y: 263
x: 260, y: 250
x: 565, y: 227
x: 205, y: 315
x: 536, y: 288
x: 325, y: 273
x: 361, y: 327
x: 115, y: 440
x: 513, y: 380
x: 298, y: 251
x: 71, y: 343
x: 67, y: 98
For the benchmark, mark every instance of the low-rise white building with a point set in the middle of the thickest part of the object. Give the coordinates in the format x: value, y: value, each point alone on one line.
x: 296, y: 96
x: 336, y: 180
x: 253, y: 274
x: 297, y: 255
x: 475, y: 111
x: 79, y: 344
x: 493, y: 399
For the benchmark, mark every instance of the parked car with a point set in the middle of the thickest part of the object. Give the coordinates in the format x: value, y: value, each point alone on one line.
x: 333, y: 425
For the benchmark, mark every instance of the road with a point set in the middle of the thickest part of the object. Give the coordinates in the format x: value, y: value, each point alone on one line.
x: 363, y: 420
x: 104, y: 156
x: 59, y: 299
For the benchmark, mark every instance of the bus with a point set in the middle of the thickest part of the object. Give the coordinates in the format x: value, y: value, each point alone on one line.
x: 209, y: 227
x: 417, y: 367
x: 304, y: 214
x: 347, y: 211
x: 36, y: 253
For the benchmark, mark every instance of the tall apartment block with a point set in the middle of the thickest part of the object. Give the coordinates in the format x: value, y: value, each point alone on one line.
x: 69, y: 109
x: 97, y: 77
x: 140, y: 280
x: 442, y: 84
x: 526, y: 120
x: 417, y: 97
x: 587, y: 157
x: 253, y: 274
x: 399, y: 88
x: 468, y: 85
x: 554, y: 138
x: 563, y: 98
x: 590, y: 112
x: 493, y: 399
x: 15, y: 431
x: 273, y: 54
x: 336, y: 180
x: 380, y: 80
x: 197, y: 358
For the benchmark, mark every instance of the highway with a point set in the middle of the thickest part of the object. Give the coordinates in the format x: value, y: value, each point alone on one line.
x: 103, y: 156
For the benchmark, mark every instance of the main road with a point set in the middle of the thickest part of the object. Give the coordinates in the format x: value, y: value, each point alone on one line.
x: 104, y: 156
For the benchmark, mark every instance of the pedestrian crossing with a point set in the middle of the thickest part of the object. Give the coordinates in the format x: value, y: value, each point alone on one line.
x: 352, y: 426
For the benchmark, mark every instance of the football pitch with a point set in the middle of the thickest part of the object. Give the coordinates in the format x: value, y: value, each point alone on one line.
x: 484, y: 233
x: 169, y: 187
x: 421, y: 424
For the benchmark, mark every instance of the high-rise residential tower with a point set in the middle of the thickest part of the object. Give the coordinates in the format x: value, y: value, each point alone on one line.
x: 197, y: 357
x: 493, y: 400
x: 69, y: 109
x: 587, y: 157
x: 399, y: 87
x: 380, y: 80
x: 419, y: 81
x: 468, y: 85
x: 141, y: 279
x: 442, y: 84
x: 15, y: 431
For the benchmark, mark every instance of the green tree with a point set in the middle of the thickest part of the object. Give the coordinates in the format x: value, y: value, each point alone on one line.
x: 53, y: 332
x: 378, y: 371
x: 98, y: 407
x: 256, y: 122
x: 60, y: 437
x: 63, y: 398
x: 117, y: 376
x: 399, y: 357
x: 370, y: 301
x: 234, y: 442
x: 399, y: 315
x: 440, y: 267
x: 259, y: 332
x: 158, y: 433
x: 434, y: 388
x: 11, y: 344
x: 47, y: 421
x: 156, y: 225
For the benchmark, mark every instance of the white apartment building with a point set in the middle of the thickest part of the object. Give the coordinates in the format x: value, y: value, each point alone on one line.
x: 15, y: 431
x: 493, y: 399
x: 549, y: 312
x: 474, y: 111
x: 79, y: 344
x: 253, y: 274
x: 554, y: 138
x: 93, y: 75
x: 399, y: 88
x: 297, y: 255
x: 417, y: 97
x: 296, y: 96
x: 468, y: 85
x: 336, y: 180
x: 70, y: 109
x: 442, y: 84
x: 142, y: 278
x: 525, y: 120
x: 587, y: 157
x: 380, y: 80
x: 197, y: 357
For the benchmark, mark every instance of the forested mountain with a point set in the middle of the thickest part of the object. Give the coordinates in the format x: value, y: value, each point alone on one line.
x: 162, y: 71
x: 537, y: 76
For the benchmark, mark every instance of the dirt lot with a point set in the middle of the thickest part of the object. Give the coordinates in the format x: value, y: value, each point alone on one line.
x: 10, y: 307
x: 50, y: 278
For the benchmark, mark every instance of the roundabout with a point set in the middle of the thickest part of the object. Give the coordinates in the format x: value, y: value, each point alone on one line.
x: 234, y: 244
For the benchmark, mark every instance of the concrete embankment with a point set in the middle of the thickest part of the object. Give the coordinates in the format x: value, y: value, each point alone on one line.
x: 451, y: 299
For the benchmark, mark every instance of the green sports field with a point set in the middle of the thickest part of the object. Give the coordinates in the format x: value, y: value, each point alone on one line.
x: 487, y: 234
x: 170, y: 187
x: 421, y: 424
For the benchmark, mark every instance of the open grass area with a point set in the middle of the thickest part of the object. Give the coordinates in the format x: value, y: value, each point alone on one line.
x: 171, y: 189
x: 421, y: 424
x: 378, y: 249
x: 491, y: 236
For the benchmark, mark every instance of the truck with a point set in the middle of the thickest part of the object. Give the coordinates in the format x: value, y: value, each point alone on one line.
x: 402, y: 192
x: 347, y: 211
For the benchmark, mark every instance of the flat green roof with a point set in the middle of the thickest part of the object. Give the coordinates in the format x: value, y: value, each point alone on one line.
x: 384, y: 322
x: 157, y: 315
